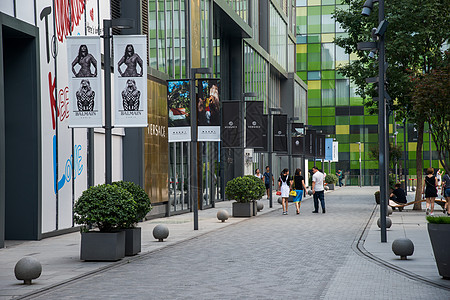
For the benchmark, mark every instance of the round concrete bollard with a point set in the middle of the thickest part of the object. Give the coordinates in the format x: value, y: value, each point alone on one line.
x: 310, y: 192
x: 389, y: 211
x: 160, y: 232
x: 388, y: 223
x: 259, y: 206
x: 27, y: 269
x: 403, y: 247
x: 223, y: 215
x: 326, y: 188
x: 280, y: 200
x: 413, y: 188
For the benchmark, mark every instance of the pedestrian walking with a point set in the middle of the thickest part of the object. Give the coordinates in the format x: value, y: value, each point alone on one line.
x: 284, y: 184
x: 430, y: 190
x: 267, y: 175
x: 298, y: 185
x: 317, y: 189
x: 339, y: 175
x: 439, y: 177
x: 258, y: 174
x: 446, y: 191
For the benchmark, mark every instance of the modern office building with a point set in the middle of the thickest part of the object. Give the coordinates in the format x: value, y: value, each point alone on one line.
x: 333, y: 105
x: 45, y: 165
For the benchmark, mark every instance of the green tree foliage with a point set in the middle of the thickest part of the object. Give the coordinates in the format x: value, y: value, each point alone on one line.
x: 415, y: 39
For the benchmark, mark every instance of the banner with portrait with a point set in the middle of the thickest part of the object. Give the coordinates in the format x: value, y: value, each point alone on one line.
x: 280, y: 133
x: 297, y: 138
x: 85, y: 84
x: 130, y: 81
x: 208, y: 110
x: 254, y: 124
x: 179, y: 107
x: 231, y: 125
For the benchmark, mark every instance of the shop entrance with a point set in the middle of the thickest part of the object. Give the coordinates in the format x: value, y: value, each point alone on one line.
x: 20, y: 129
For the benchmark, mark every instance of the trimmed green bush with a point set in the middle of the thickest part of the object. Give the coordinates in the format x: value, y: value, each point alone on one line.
x: 331, y: 179
x: 109, y: 207
x: 260, y: 188
x: 140, y: 196
x: 244, y: 189
x: 438, y: 219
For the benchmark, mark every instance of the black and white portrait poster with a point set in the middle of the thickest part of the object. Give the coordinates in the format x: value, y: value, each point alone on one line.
x: 85, y: 85
x: 130, y: 81
x: 208, y: 110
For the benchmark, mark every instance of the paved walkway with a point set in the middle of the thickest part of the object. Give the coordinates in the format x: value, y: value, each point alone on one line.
x: 308, y: 256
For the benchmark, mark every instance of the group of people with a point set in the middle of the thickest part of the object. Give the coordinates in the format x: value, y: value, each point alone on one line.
x: 287, y: 185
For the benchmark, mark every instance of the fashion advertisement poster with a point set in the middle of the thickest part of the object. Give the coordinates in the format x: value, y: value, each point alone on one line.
x: 178, y: 104
x: 231, y: 131
x: 130, y: 81
x: 297, y: 138
x: 208, y: 110
x: 254, y: 124
x: 85, y: 85
x: 280, y: 133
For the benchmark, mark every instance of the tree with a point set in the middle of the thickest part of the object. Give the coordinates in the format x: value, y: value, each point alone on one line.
x: 417, y: 32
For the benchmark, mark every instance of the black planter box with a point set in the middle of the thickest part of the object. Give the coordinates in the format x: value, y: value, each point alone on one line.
x: 242, y: 210
x: 330, y: 186
x: 132, y: 241
x: 440, y: 240
x: 102, y: 246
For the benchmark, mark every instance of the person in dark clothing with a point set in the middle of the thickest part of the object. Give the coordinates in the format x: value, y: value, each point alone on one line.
x: 398, y: 194
x: 298, y: 185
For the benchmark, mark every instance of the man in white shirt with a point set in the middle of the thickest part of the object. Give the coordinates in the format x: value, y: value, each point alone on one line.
x: 317, y: 189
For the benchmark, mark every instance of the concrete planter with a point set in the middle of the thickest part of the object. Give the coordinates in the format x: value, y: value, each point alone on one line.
x: 132, y: 241
x: 243, y: 210
x: 102, y: 246
x: 255, y: 208
x: 330, y: 186
x: 440, y: 241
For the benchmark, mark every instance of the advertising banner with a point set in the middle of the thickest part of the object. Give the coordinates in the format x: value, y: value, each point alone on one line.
x: 321, y: 146
x: 85, y: 85
x: 130, y: 81
x: 208, y: 110
x: 297, y: 138
x: 254, y: 124
x: 329, y: 149
x: 412, y: 133
x: 179, y: 106
x: 310, y: 143
x: 335, y: 151
x: 231, y: 125
x: 280, y: 133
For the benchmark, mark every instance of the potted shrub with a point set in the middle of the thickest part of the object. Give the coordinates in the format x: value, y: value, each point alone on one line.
x: 260, y: 191
x: 244, y: 190
x: 108, y: 208
x: 377, y: 197
x: 143, y: 206
x: 331, y: 180
x: 439, y: 232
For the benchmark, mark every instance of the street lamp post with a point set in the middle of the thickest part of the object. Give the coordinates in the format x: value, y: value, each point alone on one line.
x: 107, y: 25
x: 269, y: 149
x: 289, y: 134
x: 360, y: 165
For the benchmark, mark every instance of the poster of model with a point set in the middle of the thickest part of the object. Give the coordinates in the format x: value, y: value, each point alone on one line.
x: 130, y: 81
x: 85, y: 85
x: 179, y: 106
x: 208, y: 110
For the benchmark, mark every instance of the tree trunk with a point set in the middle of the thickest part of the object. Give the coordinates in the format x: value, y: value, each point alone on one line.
x: 419, y: 165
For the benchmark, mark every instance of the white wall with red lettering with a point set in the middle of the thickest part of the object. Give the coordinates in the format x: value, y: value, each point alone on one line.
x: 64, y: 150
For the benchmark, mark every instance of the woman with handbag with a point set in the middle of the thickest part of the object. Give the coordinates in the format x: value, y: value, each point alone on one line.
x: 429, y: 190
x: 297, y: 188
x: 283, y: 185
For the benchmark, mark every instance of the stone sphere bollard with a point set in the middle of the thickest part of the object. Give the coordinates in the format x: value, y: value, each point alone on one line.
x: 280, y: 200
x: 259, y: 205
x: 388, y: 223
x: 160, y: 232
x: 403, y: 247
x: 27, y: 269
x: 310, y: 192
x: 413, y: 188
x: 223, y: 215
x: 389, y: 210
x: 326, y: 188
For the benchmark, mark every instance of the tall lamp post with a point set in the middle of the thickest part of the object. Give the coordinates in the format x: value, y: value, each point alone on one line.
x: 360, y: 165
x: 107, y: 25
x: 289, y: 134
x: 269, y: 148
x: 194, y: 158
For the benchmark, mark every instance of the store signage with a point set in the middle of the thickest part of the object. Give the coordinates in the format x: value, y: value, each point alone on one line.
x: 280, y: 133
x: 310, y: 143
x: 130, y: 81
x: 335, y: 151
x: 208, y: 110
x: 231, y: 125
x: 179, y: 110
x: 321, y: 146
x: 254, y: 124
x: 85, y: 84
x: 297, y: 138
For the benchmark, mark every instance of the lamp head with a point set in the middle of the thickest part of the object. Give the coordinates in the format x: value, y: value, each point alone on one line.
x: 367, y: 8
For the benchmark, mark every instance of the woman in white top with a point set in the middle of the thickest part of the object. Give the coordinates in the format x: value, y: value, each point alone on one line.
x: 258, y: 174
x: 439, y: 177
x: 284, y: 184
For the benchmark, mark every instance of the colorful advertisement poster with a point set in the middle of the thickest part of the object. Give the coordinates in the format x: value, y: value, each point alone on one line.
x: 85, y: 84
x: 179, y: 106
x: 208, y: 110
x: 130, y: 81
